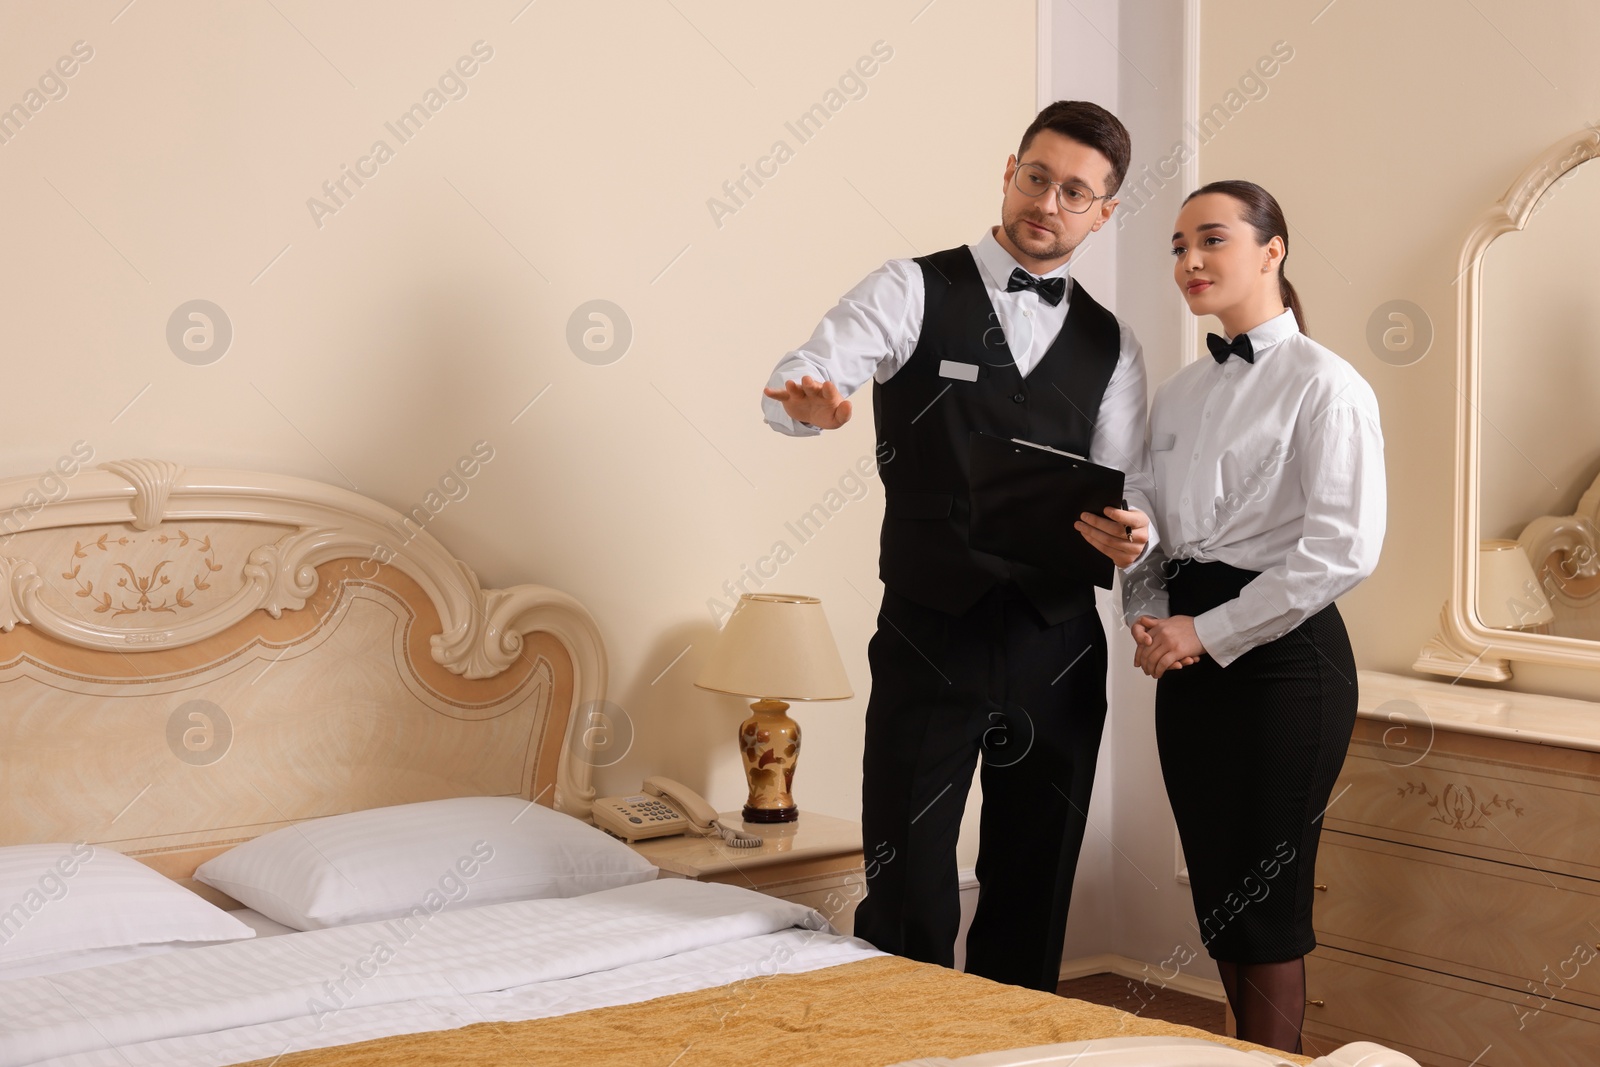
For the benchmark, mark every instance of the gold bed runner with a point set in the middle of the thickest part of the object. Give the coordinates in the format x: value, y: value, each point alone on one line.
x: 871, y: 1012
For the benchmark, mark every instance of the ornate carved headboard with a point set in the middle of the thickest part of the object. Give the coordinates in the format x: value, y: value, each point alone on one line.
x: 191, y: 658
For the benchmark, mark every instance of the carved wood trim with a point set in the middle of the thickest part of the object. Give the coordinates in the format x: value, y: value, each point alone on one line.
x: 1461, y: 628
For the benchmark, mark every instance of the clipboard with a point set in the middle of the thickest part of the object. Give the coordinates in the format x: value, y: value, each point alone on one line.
x: 1025, y: 498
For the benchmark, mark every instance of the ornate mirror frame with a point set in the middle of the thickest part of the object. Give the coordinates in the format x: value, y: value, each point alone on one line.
x: 1464, y: 647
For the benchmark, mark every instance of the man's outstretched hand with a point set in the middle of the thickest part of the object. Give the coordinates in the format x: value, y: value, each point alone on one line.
x: 817, y: 403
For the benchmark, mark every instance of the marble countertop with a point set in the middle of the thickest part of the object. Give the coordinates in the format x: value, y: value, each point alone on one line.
x: 1529, y: 717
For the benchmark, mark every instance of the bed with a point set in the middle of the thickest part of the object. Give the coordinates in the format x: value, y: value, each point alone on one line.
x: 214, y: 678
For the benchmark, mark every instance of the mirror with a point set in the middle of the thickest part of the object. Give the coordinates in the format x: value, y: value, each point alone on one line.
x: 1526, y: 571
x: 1539, y: 325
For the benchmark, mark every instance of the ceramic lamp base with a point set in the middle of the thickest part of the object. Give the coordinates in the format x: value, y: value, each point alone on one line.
x: 769, y: 741
x: 770, y: 814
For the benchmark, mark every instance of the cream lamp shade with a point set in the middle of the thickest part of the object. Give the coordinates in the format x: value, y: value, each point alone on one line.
x: 776, y: 647
x: 1509, y: 597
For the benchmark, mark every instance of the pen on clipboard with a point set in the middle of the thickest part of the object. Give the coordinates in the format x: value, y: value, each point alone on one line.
x: 1128, y: 530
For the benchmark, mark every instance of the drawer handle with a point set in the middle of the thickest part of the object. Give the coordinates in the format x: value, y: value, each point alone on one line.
x: 1322, y: 888
x: 1314, y: 1003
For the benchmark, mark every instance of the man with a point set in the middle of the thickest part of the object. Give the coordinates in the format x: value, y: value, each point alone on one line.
x: 974, y: 655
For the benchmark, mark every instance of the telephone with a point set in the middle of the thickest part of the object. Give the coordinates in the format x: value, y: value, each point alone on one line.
x: 663, y: 807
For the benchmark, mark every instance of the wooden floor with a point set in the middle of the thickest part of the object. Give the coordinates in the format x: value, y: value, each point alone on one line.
x: 1168, y: 1005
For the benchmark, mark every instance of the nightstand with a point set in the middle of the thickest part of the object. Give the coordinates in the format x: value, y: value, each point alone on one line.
x: 815, y: 860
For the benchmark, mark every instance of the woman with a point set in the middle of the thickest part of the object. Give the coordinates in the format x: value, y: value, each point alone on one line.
x: 1269, y: 497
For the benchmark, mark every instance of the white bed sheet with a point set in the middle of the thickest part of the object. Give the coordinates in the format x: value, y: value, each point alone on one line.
x: 263, y: 926
x: 78, y: 961
x: 231, y: 1003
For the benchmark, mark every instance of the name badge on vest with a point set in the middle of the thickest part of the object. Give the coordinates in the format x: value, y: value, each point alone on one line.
x: 966, y: 372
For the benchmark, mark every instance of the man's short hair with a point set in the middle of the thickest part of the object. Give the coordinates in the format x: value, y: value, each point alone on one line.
x: 1088, y: 124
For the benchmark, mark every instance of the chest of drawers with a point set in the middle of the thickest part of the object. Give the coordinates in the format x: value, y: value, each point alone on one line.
x: 1458, y: 912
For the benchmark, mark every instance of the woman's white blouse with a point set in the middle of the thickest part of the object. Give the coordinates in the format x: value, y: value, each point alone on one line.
x: 1273, y: 466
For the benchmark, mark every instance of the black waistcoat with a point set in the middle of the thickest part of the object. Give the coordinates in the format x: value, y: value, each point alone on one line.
x: 923, y: 420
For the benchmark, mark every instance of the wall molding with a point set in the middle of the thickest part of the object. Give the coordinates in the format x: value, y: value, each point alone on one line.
x: 1189, y: 331
x: 1044, y: 37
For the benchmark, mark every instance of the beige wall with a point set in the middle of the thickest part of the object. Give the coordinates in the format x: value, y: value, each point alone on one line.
x: 375, y: 344
x: 1392, y: 127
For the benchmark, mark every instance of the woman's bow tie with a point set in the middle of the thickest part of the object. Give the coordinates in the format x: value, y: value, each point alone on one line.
x: 1239, y: 346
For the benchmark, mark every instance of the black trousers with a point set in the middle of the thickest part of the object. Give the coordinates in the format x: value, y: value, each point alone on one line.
x: 998, y: 683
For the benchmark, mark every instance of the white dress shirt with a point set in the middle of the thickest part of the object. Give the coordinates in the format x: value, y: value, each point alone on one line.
x: 875, y: 327
x: 1275, y: 466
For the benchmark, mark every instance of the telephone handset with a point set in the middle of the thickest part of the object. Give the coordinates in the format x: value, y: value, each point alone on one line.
x: 663, y: 807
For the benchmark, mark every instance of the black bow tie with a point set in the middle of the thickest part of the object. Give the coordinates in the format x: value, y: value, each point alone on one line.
x: 1050, y: 290
x: 1239, y: 346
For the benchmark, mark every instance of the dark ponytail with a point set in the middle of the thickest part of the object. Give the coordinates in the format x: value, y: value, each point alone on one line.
x: 1262, y: 213
x: 1291, y: 299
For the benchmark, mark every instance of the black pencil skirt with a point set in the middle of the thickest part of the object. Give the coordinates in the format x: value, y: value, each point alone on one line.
x: 1250, y: 753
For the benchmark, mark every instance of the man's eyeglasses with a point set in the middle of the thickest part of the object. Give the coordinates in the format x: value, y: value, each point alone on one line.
x: 1073, y: 196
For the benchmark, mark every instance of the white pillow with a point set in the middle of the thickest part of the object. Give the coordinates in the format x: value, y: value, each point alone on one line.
x: 420, y: 859
x: 61, y: 898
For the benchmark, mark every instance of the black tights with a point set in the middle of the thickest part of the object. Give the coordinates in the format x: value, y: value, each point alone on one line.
x: 1268, y: 1001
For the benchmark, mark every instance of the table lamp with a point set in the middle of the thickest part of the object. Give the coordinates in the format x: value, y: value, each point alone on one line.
x: 776, y: 648
x: 1509, y: 598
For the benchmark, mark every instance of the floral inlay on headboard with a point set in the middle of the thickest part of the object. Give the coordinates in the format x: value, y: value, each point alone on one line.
x: 144, y: 588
